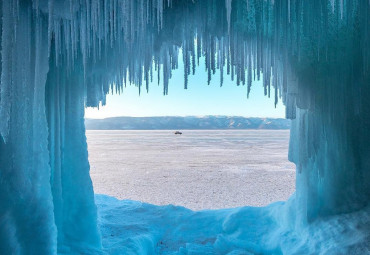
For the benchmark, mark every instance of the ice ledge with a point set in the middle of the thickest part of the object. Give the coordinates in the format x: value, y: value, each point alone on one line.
x: 132, y: 227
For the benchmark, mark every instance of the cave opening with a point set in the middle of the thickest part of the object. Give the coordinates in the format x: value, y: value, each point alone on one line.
x: 216, y: 162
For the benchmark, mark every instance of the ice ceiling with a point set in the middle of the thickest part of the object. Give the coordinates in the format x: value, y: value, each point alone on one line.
x: 59, y: 56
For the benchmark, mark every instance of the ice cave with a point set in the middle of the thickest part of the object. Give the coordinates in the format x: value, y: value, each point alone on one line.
x: 59, y: 56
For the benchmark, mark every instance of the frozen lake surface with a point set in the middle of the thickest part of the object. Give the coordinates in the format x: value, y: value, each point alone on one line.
x: 200, y: 169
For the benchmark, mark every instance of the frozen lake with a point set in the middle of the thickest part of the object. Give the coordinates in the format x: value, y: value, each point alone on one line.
x: 200, y: 169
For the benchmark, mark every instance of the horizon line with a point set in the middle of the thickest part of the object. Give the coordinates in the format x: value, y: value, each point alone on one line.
x: 185, y: 116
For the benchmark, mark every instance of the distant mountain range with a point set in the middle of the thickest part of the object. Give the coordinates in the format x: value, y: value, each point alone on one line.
x: 181, y: 123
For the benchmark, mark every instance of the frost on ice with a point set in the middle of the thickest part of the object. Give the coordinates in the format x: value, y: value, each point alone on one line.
x: 58, y: 57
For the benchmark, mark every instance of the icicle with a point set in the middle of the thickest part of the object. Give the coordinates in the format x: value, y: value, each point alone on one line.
x: 8, y: 20
x: 332, y: 2
x: 228, y: 4
x: 50, y: 23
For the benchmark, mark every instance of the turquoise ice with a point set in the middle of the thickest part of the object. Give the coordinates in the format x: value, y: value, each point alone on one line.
x: 57, y: 57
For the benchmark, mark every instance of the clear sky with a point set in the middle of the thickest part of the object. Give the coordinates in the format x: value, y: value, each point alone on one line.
x: 199, y: 99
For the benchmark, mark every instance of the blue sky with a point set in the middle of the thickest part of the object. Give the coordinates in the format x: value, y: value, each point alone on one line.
x: 199, y: 99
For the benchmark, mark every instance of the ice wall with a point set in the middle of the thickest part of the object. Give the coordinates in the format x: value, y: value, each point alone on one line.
x: 73, y: 196
x: 26, y: 207
x: 59, y: 56
x: 329, y: 138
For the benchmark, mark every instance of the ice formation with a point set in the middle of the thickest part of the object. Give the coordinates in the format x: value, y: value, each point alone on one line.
x: 59, y: 56
x: 132, y: 227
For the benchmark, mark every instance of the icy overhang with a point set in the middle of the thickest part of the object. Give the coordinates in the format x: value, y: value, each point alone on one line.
x: 59, y: 56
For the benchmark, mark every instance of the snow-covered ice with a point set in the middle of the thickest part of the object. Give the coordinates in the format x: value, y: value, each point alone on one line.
x: 201, y: 169
x: 135, y: 228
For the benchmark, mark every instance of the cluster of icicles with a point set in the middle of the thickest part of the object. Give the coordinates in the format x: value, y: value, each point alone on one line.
x: 120, y: 40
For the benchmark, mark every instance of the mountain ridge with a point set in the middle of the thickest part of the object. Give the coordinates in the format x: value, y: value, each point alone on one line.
x: 186, y: 123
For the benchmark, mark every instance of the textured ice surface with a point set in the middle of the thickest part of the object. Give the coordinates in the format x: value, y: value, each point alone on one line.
x: 59, y: 56
x: 208, y: 169
x: 131, y: 227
